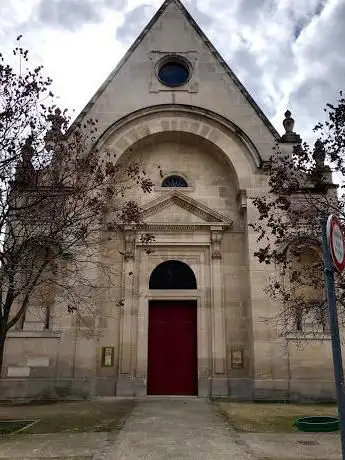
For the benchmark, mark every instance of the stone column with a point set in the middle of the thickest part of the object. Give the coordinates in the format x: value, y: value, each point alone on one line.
x: 124, y: 386
x: 219, y: 382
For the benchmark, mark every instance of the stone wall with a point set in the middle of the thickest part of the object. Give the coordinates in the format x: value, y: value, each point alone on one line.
x: 233, y: 307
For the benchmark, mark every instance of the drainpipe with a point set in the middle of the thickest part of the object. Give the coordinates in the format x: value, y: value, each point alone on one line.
x: 289, y: 369
x: 75, y: 350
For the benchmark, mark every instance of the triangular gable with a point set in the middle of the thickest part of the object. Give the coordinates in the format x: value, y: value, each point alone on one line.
x: 185, y: 202
x: 208, y: 44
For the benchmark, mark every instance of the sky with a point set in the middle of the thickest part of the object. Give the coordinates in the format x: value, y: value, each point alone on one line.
x: 287, y: 53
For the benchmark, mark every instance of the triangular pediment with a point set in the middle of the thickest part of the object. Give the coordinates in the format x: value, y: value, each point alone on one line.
x: 178, y: 208
x: 130, y: 87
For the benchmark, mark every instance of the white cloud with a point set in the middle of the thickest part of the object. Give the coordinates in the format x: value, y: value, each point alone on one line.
x: 288, y: 53
x: 134, y: 20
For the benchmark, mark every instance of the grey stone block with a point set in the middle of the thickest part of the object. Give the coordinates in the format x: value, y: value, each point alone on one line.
x: 105, y: 386
x: 139, y: 387
x: 312, y: 391
x: 219, y: 386
x: 271, y: 394
x: 241, y: 389
x: 204, y: 387
x: 124, y: 386
x: 63, y: 388
x: 42, y: 372
x: 27, y: 389
x: 82, y: 388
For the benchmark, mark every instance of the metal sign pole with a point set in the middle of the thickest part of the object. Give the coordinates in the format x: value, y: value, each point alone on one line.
x: 336, y: 345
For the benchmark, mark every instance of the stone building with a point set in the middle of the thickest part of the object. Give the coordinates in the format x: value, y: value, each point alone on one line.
x: 193, y: 317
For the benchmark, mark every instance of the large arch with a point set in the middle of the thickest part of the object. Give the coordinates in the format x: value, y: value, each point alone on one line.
x: 226, y: 137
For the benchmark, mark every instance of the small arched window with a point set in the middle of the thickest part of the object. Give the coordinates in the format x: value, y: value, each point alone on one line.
x: 172, y: 274
x: 174, y: 181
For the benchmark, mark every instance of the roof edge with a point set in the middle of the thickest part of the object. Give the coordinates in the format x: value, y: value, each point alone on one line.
x: 122, y: 61
x: 209, y: 45
x: 226, y: 66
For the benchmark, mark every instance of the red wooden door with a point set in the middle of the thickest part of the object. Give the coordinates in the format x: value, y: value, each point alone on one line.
x: 172, y: 348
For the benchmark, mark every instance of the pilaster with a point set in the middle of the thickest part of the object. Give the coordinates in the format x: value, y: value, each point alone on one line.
x: 218, y: 319
x: 127, y: 296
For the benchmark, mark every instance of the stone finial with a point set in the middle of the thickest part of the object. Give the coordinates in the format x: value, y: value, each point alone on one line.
x: 319, y: 154
x: 57, y: 120
x: 321, y: 175
x: 28, y: 152
x: 25, y: 173
x: 290, y: 136
x: 54, y: 134
x: 288, y: 122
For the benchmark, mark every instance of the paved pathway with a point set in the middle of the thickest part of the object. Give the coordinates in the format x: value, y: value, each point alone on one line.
x: 175, y: 430
x: 290, y: 446
x: 57, y: 446
x: 172, y: 429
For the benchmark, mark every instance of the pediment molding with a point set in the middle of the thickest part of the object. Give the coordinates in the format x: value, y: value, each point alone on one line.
x: 235, y: 227
x: 179, y: 228
x: 207, y: 215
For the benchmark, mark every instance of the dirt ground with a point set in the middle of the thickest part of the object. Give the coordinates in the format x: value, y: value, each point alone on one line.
x: 271, y: 417
x: 70, y: 417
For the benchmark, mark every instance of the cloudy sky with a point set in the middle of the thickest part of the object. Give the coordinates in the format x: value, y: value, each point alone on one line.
x: 288, y: 53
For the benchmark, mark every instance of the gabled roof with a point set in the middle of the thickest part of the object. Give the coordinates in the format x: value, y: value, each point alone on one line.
x: 209, y: 45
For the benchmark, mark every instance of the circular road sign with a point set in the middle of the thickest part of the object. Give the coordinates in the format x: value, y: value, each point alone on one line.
x: 336, y: 243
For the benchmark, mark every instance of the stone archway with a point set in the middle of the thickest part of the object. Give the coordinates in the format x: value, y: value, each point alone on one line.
x: 215, y: 144
x: 239, y: 151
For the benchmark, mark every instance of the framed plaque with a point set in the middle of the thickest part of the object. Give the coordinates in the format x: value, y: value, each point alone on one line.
x: 107, y: 356
x: 236, y: 359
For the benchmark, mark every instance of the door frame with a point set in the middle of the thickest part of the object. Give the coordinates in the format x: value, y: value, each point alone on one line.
x: 203, y: 336
x: 177, y: 300
x: 198, y: 258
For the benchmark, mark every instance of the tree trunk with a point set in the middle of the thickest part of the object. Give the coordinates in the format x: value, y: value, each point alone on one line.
x: 2, y: 349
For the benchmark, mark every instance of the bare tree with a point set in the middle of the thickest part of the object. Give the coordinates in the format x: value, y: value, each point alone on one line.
x: 289, y: 228
x: 58, y: 193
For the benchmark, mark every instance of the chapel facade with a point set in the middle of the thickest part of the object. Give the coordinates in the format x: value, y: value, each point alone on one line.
x: 193, y: 320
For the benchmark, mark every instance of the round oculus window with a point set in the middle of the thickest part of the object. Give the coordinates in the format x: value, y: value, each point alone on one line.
x: 173, y: 73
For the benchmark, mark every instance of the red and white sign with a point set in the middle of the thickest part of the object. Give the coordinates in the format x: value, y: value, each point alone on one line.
x: 336, y: 243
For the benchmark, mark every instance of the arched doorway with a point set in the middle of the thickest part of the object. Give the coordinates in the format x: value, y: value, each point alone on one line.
x: 172, y: 335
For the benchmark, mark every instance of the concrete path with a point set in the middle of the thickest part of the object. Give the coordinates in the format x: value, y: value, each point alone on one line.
x: 171, y: 429
x: 291, y: 446
x: 57, y: 446
x: 175, y: 430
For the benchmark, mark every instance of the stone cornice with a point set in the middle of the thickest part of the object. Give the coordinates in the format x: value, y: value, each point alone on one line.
x: 234, y: 227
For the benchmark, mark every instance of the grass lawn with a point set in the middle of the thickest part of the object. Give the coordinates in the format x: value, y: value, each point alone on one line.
x: 270, y: 417
x: 70, y: 417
